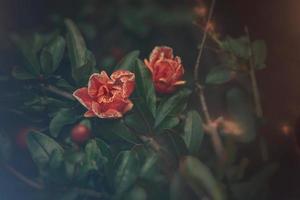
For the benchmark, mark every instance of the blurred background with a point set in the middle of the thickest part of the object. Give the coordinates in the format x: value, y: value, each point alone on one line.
x: 114, y: 27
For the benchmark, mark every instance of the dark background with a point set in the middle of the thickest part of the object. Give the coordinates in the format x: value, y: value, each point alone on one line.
x: 276, y: 21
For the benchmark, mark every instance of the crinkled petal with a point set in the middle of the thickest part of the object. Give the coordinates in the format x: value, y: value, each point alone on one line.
x: 124, y: 79
x: 161, y: 52
x: 83, y: 97
x: 105, y: 113
x: 95, y: 81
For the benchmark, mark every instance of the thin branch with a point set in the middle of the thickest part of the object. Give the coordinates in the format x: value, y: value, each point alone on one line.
x: 203, y: 103
x: 58, y: 91
x: 256, y: 95
x: 23, y: 178
x: 40, y: 186
x: 196, y: 68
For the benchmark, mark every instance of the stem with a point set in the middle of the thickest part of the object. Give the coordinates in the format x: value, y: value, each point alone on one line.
x: 39, y: 186
x: 58, y: 91
x: 23, y: 178
x: 211, y: 127
x: 256, y: 96
x: 203, y: 102
x: 196, y: 68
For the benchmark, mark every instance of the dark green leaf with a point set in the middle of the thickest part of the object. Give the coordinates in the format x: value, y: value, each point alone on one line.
x: 42, y: 148
x: 241, y: 112
x: 171, y: 105
x: 256, y: 187
x: 62, y: 118
x: 168, y: 123
x: 56, y: 159
x: 118, y: 128
x: 200, y: 178
x: 136, y: 193
x: 218, y: 76
x: 259, y: 48
x: 127, y: 170
x: 76, y: 45
x: 82, y: 60
x: 239, y: 47
x: 52, y: 55
x: 105, y: 149
x: 129, y: 61
x: 144, y: 87
x: 193, y: 132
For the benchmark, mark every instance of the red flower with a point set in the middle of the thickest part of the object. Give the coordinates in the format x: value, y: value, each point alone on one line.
x: 107, y: 97
x: 167, y: 70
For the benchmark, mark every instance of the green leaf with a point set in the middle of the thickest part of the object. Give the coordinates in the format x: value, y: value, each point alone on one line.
x: 171, y: 105
x: 259, y: 48
x: 105, y: 149
x: 256, y: 186
x: 129, y: 61
x: 193, y: 132
x: 76, y: 45
x: 42, y: 148
x: 144, y: 87
x: 62, y: 118
x: 218, y: 76
x: 30, y: 47
x: 82, y: 60
x: 73, y: 162
x: 178, y: 188
x: 149, y: 168
x: 52, y: 55
x: 118, y: 128
x: 136, y: 193
x: 200, y: 178
x: 168, y: 123
x: 241, y: 112
x: 56, y: 159
x: 239, y: 46
x: 93, y: 156
x: 135, y: 121
x: 21, y: 74
x: 127, y: 170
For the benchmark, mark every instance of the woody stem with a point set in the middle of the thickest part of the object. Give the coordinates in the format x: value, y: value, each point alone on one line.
x: 212, y: 129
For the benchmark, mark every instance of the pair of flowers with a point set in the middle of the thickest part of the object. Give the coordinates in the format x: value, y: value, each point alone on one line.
x: 108, y: 97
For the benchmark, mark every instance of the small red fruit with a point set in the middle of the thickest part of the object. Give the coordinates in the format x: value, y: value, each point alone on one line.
x: 80, y: 133
x: 21, y: 137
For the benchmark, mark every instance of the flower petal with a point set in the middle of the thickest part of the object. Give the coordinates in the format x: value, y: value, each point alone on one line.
x: 83, y: 97
x: 161, y: 52
x: 89, y: 113
x: 126, y: 80
x: 109, y: 113
x: 95, y: 81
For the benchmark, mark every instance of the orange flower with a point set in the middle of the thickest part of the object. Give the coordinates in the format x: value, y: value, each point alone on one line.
x: 167, y: 70
x: 107, y: 97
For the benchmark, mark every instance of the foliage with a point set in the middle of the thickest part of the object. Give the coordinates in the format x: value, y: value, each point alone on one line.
x: 158, y: 150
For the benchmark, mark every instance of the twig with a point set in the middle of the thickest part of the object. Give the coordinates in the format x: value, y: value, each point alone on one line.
x: 203, y: 103
x: 211, y: 127
x: 23, y: 178
x: 196, y: 68
x: 256, y: 96
x: 58, y: 91
x: 40, y: 186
